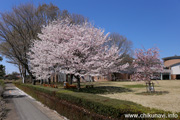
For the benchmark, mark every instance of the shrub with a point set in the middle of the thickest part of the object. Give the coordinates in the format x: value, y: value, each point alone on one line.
x: 2, y: 83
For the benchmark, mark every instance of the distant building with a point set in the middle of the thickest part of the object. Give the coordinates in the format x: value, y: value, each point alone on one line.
x: 58, y: 77
x: 171, y: 71
x: 173, y: 65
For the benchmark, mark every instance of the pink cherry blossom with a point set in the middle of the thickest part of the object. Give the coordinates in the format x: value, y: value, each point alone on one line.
x: 75, y: 49
x: 146, y: 63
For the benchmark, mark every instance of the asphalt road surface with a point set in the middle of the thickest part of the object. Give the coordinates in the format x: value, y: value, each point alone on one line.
x: 23, y: 107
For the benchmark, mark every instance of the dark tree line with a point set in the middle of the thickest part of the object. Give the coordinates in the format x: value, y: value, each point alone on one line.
x: 2, y: 69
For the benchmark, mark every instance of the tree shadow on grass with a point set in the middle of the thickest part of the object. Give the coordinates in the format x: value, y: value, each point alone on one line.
x: 153, y: 93
x: 13, y: 96
x: 103, y: 90
x: 135, y: 86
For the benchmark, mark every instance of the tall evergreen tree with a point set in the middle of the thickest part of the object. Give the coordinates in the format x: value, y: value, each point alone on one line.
x: 2, y: 69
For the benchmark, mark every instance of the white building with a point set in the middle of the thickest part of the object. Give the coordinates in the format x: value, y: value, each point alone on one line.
x: 173, y: 65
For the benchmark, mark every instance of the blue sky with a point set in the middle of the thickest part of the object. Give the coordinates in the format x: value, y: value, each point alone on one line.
x: 146, y: 23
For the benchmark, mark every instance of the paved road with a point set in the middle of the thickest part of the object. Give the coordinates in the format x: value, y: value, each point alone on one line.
x: 25, y: 107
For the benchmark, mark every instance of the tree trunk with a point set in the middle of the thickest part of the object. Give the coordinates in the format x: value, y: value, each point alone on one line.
x: 29, y: 72
x: 67, y: 77
x: 33, y: 81
x: 33, y: 78
x: 49, y: 80
x: 71, y: 78
x: 78, y: 83
x: 24, y: 74
x: 41, y: 82
x: 20, y: 69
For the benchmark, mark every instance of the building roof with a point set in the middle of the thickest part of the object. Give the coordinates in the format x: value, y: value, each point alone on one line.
x: 164, y: 71
x: 170, y: 58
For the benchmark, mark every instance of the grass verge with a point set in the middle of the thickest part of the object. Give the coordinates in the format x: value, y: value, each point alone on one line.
x: 2, y: 83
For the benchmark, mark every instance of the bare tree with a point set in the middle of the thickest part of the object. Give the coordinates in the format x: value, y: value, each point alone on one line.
x: 17, y: 29
x: 125, y: 49
x: 123, y: 44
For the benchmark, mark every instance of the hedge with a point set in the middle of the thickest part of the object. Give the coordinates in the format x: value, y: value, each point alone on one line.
x: 90, y: 106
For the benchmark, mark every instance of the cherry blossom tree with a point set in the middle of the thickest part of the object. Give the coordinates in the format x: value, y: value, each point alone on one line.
x: 73, y: 49
x: 145, y: 64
